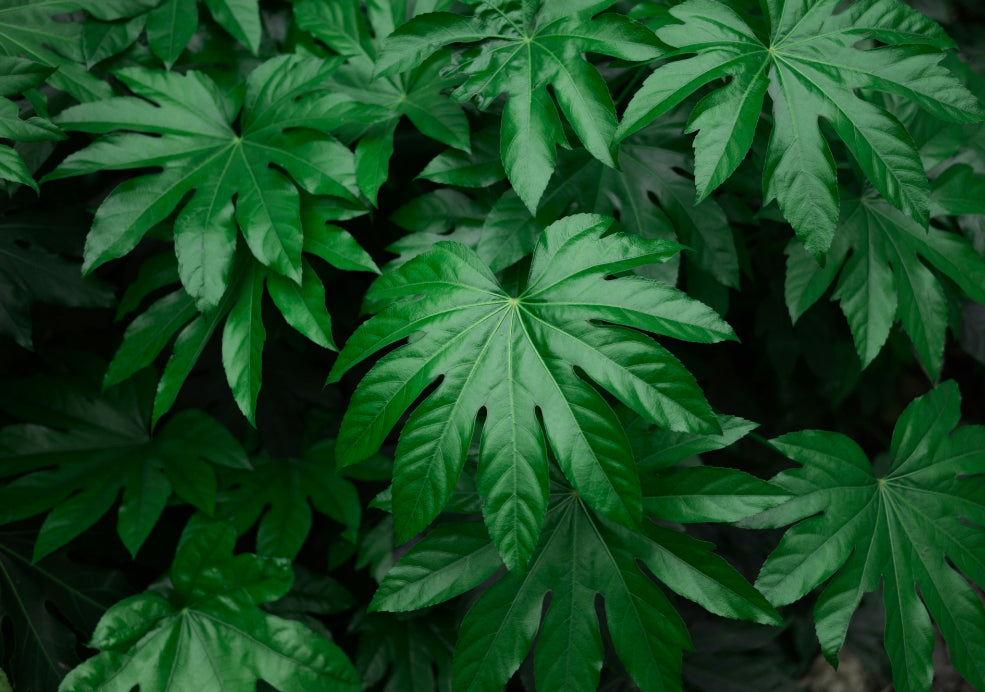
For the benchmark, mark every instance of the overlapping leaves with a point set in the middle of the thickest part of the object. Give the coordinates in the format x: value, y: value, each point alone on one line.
x: 239, y: 312
x: 168, y: 25
x: 807, y: 61
x: 516, y: 359
x: 48, y: 608
x: 36, y: 31
x: 522, y: 47
x: 17, y: 75
x: 80, y: 449
x: 580, y: 555
x: 280, y: 495
x: 205, y: 631
x: 418, y: 94
x: 882, y: 257
x: 184, y: 124
x: 914, y: 527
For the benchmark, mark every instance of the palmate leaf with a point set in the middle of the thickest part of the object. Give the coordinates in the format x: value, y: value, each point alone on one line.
x: 239, y: 313
x: 810, y: 67
x: 580, y: 554
x: 281, y: 493
x: 883, y: 259
x: 49, y: 608
x: 522, y: 48
x: 515, y: 357
x: 190, y: 135
x: 914, y: 528
x: 417, y: 94
x: 80, y: 449
x: 205, y: 631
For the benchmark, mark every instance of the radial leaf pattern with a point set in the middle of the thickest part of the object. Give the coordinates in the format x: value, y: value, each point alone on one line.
x: 526, y: 361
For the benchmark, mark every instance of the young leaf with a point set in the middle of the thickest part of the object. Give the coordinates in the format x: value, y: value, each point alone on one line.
x: 883, y: 258
x: 81, y: 449
x: 522, y: 48
x: 810, y: 67
x: 184, y: 125
x: 580, y: 554
x: 914, y: 528
x: 209, y: 631
x: 513, y: 357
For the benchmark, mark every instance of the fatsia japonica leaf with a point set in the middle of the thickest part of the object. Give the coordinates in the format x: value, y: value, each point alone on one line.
x: 79, y: 450
x: 649, y: 165
x: 580, y: 554
x: 883, y: 262
x: 17, y: 75
x: 281, y: 494
x: 693, y: 492
x: 49, y: 607
x: 918, y: 528
x: 206, y: 631
x: 37, y: 31
x: 184, y: 125
x: 169, y: 25
x: 809, y: 65
x: 418, y: 94
x: 519, y: 359
x: 405, y: 653
x: 521, y: 48
x: 174, y: 319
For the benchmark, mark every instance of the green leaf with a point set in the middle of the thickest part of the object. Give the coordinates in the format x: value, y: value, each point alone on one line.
x: 521, y: 49
x: 189, y: 130
x: 580, y: 554
x: 209, y: 631
x: 811, y: 68
x: 405, y: 654
x: 649, y: 165
x: 243, y: 336
x: 337, y: 247
x: 281, y: 493
x: 50, y: 607
x: 512, y: 356
x: 170, y: 27
x: 884, y: 260
x: 479, y: 168
x: 28, y: 29
x: 958, y: 190
x: 102, y: 40
x: 419, y: 95
x: 907, y: 528
x: 79, y: 449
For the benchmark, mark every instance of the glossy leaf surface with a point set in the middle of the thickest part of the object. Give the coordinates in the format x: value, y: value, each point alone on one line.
x: 811, y: 69
x: 515, y: 357
x: 913, y: 527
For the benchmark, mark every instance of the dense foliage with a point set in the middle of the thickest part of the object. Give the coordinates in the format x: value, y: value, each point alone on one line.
x: 299, y: 393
